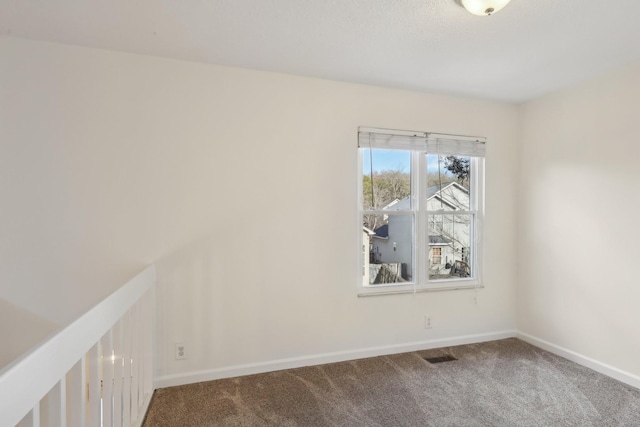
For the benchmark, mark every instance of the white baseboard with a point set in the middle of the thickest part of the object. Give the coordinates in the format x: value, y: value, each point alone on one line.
x: 320, y: 359
x: 603, y: 368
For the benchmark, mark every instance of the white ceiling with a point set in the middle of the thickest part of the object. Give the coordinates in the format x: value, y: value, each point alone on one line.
x: 530, y: 48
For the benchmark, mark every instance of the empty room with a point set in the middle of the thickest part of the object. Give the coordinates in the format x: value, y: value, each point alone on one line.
x: 329, y: 213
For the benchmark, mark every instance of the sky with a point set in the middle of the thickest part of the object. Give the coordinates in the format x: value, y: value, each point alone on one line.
x: 385, y: 160
x: 391, y: 160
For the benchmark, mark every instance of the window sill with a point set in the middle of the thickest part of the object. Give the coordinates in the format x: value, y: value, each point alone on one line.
x: 457, y: 285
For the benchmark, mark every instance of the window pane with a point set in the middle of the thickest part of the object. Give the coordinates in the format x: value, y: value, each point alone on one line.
x: 448, y: 182
x: 386, y: 179
x: 387, y: 251
x: 450, y: 243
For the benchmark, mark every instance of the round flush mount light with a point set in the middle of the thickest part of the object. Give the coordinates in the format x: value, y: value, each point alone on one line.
x: 484, y: 7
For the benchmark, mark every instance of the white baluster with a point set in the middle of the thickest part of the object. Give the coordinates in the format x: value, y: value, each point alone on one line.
x: 32, y: 419
x: 148, y: 299
x: 117, y: 374
x: 140, y: 350
x: 76, y: 395
x: 139, y: 357
x: 107, y: 380
x: 94, y: 407
x: 52, y: 408
x: 84, y: 395
x: 126, y: 384
x: 135, y: 359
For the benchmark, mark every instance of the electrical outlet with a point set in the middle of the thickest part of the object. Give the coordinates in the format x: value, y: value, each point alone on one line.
x: 427, y: 322
x: 181, y: 351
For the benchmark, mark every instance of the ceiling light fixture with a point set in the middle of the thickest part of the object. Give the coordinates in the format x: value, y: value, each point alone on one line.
x: 484, y: 7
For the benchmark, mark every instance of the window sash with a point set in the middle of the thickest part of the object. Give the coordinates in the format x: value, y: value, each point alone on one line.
x: 472, y: 244
x: 388, y: 246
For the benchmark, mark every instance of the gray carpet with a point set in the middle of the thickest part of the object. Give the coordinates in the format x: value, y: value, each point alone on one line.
x: 499, y: 383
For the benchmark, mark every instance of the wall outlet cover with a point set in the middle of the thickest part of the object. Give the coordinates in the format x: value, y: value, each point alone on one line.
x: 180, y: 351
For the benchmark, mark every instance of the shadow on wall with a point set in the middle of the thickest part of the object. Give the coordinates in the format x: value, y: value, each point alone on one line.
x: 20, y: 331
x: 197, y: 286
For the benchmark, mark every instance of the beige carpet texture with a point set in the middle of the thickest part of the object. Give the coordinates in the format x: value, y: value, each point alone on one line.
x: 499, y: 383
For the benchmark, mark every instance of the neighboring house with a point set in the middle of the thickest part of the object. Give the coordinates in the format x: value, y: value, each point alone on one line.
x: 391, y: 244
x: 449, y: 236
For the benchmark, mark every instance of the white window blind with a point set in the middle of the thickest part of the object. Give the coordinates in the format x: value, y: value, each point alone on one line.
x: 460, y: 145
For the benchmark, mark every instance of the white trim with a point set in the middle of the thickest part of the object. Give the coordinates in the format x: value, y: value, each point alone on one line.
x: 320, y: 359
x: 603, y: 368
x: 341, y: 356
x: 25, y: 381
x: 420, y: 244
x: 391, y: 289
x: 142, y: 413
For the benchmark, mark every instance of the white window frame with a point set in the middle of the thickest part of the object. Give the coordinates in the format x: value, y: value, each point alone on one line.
x: 420, y: 144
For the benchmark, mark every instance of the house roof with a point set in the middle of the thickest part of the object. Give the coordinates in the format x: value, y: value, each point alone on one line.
x: 432, y: 192
x: 434, y: 189
x: 399, y: 205
x: 368, y: 231
x: 438, y: 240
x: 382, y: 231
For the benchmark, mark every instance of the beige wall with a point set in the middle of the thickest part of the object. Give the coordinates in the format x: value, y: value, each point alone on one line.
x: 223, y: 176
x: 20, y: 330
x: 578, y: 245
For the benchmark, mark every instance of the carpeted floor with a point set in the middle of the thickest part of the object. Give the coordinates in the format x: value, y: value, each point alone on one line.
x: 499, y: 383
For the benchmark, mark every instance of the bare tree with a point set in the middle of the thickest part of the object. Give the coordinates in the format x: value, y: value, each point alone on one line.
x: 379, y: 190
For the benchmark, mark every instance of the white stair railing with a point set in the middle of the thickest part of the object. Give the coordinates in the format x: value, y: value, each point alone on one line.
x: 98, y: 371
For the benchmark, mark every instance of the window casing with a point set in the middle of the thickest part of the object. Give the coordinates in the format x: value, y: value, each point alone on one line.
x: 421, y: 210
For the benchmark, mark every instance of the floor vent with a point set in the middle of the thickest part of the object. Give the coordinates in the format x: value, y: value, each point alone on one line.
x: 440, y: 359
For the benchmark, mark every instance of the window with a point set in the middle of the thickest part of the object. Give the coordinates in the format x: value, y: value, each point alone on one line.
x: 420, y: 208
x: 436, y: 257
